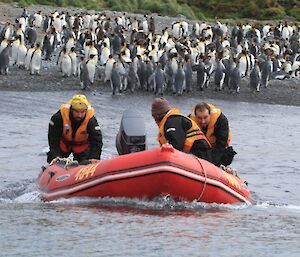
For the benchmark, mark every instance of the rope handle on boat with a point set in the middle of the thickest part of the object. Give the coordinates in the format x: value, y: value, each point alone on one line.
x: 205, y: 181
x: 229, y: 170
x: 68, y: 161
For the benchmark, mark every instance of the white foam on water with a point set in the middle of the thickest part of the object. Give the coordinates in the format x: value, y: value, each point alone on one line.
x: 5, y: 200
x: 28, y: 197
x: 159, y: 203
x: 266, y: 205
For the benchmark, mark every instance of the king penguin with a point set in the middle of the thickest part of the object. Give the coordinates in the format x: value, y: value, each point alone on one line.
x: 4, y: 60
x: 91, y: 68
x: 21, y: 56
x: 36, y: 60
x: 255, y: 77
x: 73, y: 56
x: 29, y: 56
x: 108, y: 68
x: 66, y: 64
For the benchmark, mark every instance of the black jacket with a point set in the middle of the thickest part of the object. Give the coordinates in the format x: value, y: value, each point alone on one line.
x: 175, y: 130
x: 55, y: 133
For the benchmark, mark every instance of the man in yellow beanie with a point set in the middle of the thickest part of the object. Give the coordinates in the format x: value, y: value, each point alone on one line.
x: 179, y: 130
x: 74, y: 129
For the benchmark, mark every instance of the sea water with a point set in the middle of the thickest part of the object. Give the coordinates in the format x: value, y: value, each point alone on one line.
x: 266, y: 137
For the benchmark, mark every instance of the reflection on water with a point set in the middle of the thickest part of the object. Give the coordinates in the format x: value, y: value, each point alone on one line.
x: 264, y: 136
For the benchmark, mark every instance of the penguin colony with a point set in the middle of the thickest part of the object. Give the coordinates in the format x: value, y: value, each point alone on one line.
x: 129, y: 53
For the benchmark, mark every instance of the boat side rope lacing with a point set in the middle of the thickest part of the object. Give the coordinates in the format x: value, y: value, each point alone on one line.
x: 205, y: 174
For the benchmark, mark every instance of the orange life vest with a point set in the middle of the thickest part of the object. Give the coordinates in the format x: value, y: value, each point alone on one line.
x: 214, y: 115
x: 193, y: 134
x: 80, y: 141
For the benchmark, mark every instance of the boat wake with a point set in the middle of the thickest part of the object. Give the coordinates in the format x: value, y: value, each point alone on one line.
x: 23, y: 191
x: 26, y: 192
x: 268, y: 205
x: 165, y: 203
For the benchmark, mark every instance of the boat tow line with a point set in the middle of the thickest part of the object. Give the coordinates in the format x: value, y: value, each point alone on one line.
x: 205, y: 181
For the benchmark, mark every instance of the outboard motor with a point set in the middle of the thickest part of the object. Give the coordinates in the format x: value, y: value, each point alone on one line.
x: 132, y: 133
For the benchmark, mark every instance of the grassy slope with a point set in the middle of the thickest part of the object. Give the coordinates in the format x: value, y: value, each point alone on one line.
x: 194, y: 9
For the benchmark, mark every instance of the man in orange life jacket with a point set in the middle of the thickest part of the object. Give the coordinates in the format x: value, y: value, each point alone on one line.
x: 214, y: 125
x: 178, y: 130
x: 74, y: 129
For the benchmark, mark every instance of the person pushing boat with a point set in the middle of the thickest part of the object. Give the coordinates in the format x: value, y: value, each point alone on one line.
x: 178, y: 130
x: 214, y: 125
x: 74, y: 129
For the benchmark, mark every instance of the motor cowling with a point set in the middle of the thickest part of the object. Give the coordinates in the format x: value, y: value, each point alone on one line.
x: 131, y: 136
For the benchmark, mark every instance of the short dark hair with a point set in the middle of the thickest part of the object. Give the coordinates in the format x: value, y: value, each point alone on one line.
x: 159, y: 117
x: 202, y: 106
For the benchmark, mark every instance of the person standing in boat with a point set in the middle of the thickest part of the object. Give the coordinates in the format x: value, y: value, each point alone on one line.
x: 74, y: 129
x: 178, y: 130
x: 214, y: 125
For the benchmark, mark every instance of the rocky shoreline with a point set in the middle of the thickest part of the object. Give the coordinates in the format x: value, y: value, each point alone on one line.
x: 283, y: 92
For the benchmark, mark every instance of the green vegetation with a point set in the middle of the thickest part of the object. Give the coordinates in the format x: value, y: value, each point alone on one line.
x: 194, y: 9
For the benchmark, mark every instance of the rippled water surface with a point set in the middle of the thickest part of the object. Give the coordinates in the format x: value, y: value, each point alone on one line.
x: 267, y: 140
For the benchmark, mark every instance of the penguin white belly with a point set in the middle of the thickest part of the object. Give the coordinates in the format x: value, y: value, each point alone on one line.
x: 222, y: 81
x: 226, y: 43
x: 28, y: 58
x: 86, y: 21
x: 38, y: 21
x: 285, y: 33
x: 14, y: 52
x: 71, y: 21
x: 104, y: 56
x: 94, y: 51
x: 36, y: 62
x: 174, y: 66
x: 7, y: 33
x: 201, y: 48
x: 86, y: 52
x: 107, y: 72
x: 243, y: 66
x: 288, y: 67
x: 22, y: 38
x: 23, y: 23
x: 140, y: 51
x: 107, y: 41
x: 175, y: 31
x: 57, y: 24
x: 66, y: 65
x: 154, y: 56
x: 164, y: 38
x: 51, y: 40
x: 91, y: 67
x: 21, y: 55
x: 69, y: 45
x: 239, y: 49
x: 266, y: 30
x: 145, y: 27
x: 74, y: 64
x: 197, y: 29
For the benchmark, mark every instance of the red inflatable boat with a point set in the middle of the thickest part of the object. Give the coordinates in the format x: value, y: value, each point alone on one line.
x: 144, y: 175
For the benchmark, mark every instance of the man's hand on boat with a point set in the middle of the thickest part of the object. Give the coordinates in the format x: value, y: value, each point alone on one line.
x: 70, y: 162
